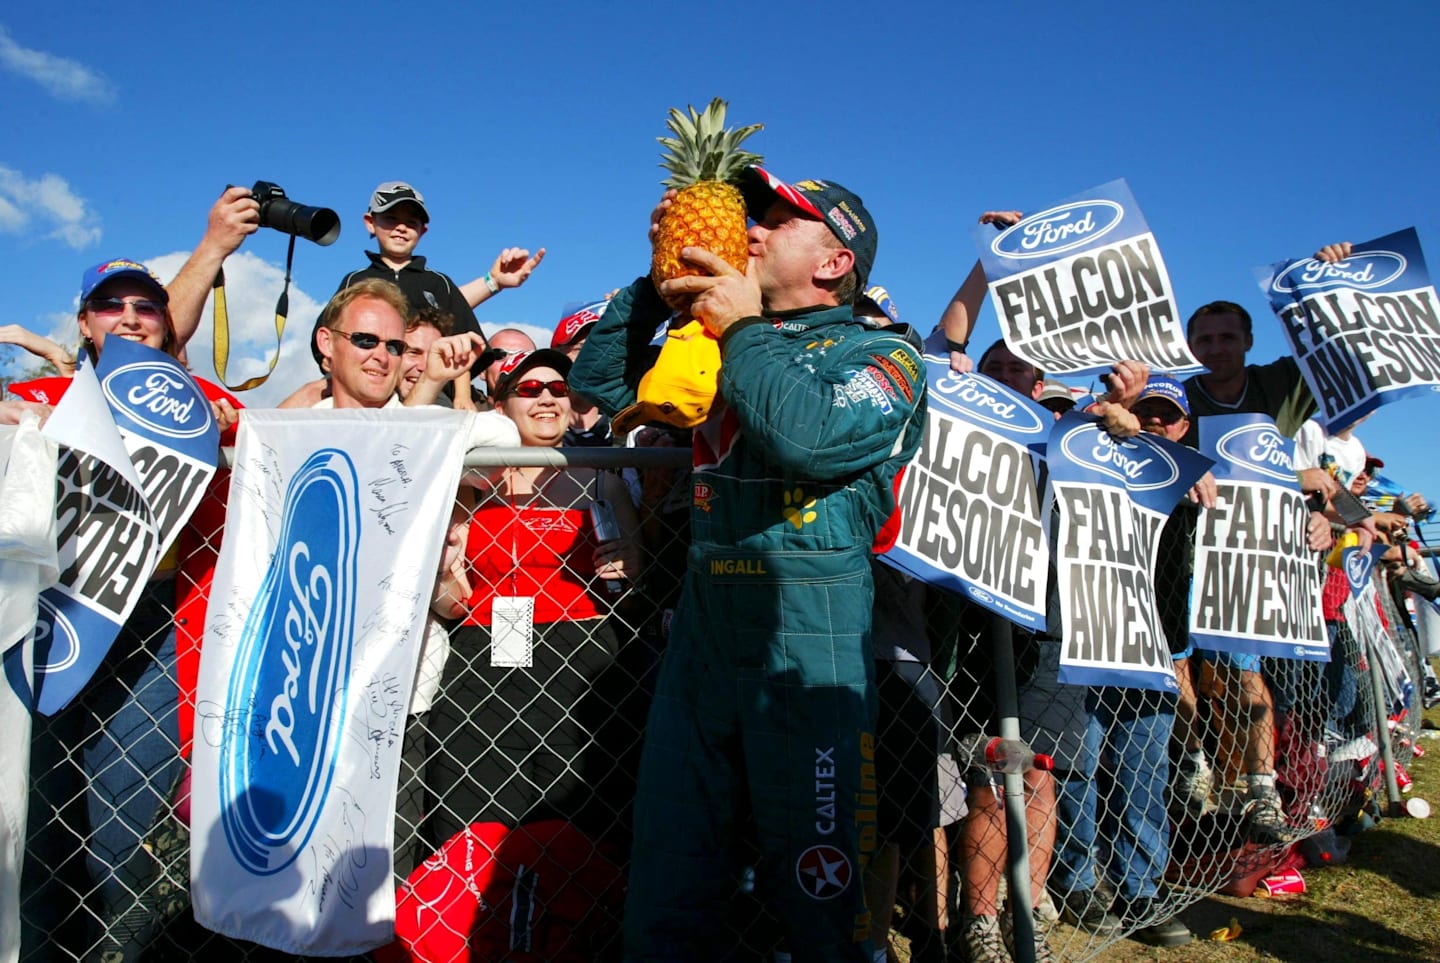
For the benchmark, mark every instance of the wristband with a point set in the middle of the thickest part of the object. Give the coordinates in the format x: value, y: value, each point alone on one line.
x: 490, y: 283
x: 959, y: 346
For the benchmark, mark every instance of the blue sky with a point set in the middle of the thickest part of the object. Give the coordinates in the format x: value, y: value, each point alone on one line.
x: 1247, y: 132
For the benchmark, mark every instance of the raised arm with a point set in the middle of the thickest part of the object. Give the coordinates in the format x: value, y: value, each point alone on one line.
x: 959, y: 317
x: 40, y: 346
x: 233, y: 217
x: 449, y: 358
x: 512, y: 268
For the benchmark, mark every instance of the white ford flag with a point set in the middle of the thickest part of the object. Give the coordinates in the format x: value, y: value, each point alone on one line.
x: 28, y: 566
x: 333, y: 534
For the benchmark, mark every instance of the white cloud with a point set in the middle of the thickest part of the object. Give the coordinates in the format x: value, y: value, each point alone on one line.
x: 48, y: 203
x: 252, y: 286
x: 62, y: 326
x: 11, y: 217
x: 62, y: 77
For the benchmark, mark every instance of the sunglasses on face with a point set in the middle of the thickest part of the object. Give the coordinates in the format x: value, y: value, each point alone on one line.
x: 533, y: 387
x: 1163, y: 413
x: 114, y: 307
x: 366, y: 341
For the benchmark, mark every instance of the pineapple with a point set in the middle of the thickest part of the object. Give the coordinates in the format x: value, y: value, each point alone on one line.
x: 704, y: 160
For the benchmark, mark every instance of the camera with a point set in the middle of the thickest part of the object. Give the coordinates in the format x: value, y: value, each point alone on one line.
x: 318, y: 224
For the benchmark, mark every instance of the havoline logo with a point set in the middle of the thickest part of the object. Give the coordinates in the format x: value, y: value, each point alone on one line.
x: 293, y: 666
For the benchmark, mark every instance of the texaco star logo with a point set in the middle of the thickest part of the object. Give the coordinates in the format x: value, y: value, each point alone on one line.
x: 823, y: 872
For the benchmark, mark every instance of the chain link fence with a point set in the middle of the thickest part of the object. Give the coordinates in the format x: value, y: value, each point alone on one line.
x: 512, y: 818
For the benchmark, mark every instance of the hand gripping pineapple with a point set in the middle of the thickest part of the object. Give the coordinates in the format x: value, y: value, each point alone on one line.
x: 702, y: 209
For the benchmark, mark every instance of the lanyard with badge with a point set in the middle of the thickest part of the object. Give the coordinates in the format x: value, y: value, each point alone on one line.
x: 512, y: 617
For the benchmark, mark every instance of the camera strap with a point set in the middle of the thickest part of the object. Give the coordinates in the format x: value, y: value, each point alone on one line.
x: 222, y: 326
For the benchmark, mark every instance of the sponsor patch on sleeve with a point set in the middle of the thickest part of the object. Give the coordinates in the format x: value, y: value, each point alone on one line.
x: 895, y: 374
x: 865, y: 386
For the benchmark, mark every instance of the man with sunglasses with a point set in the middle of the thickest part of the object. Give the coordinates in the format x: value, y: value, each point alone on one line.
x: 503, y: 344
x: 362, y: 336
x: 766, y: 692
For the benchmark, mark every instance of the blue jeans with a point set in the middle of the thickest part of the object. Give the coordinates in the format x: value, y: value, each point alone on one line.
x: 1134, y: 725
x: 132, y: 764
x: 116, y: 747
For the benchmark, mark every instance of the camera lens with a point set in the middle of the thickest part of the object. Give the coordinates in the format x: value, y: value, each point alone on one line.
x: 318, y: 224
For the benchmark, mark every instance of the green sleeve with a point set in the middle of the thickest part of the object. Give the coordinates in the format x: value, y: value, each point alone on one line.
x: 825, y: 411
x: 617, y: 352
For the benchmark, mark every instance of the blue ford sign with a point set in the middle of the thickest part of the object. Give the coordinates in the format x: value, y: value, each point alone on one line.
x: 1259, y: 447
x: 1059, y: 229
x: 292, y: 668
x: 1372, y: 269
x: 151, y: 393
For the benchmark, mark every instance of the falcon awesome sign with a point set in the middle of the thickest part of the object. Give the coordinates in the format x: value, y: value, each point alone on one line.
x: 1257, y: 585
x: 140, y: 447
x: 1365, y: 330
x: 969, y: 511
x: 1082, y: 285
x: 1113, y: 498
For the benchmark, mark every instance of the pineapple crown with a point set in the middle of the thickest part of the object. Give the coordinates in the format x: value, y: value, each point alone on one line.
x: 702, y: 148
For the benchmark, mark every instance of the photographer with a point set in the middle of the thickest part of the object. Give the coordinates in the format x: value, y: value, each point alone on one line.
x: 233, y: 217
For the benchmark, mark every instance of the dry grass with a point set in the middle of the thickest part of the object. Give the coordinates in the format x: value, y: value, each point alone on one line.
x: 1381, y: 906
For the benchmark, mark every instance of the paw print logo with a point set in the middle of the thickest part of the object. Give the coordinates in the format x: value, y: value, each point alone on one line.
x: 798, y: 509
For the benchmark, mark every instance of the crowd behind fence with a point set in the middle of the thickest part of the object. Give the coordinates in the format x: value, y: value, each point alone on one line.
x: 538, y: 766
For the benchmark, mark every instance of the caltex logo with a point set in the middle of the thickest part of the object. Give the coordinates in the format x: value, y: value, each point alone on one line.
x: 823, y: 872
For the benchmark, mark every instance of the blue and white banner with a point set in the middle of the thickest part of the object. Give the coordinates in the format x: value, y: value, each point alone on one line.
x: 1081, y: 285
x: 333, y: 535
x: 138, y: 447
x: 1365, y: 330
x: 1113, y: 498
x: 1359, y: 566
x: 1256, y: 586
x: 969, y: 508
x: 1362, y: 615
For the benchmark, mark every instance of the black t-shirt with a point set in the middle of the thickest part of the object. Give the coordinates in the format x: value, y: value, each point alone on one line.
x: 423, y: 288
x: 1276, y: 389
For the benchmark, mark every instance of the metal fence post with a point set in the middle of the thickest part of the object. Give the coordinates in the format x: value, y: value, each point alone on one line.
x: 1017, y: 843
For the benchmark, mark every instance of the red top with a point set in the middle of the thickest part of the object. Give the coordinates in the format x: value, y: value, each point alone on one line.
x: 537, y: 551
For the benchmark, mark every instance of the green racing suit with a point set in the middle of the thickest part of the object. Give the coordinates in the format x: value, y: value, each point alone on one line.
x: 766, y: 690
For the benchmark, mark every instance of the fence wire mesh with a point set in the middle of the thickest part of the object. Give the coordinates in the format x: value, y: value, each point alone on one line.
x: 516, y: 784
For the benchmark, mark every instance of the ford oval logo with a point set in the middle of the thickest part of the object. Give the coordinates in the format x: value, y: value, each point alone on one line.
x: 1372, y: 269
x: 292, y: 665
x: 980, y: 595
x: 1059, y: 229
x: 982, y: 400
x: 1260, y: 448
x: 159, y: 397
x: 64, y: 642
x: 1358, y: 566
x: 1126, y: 462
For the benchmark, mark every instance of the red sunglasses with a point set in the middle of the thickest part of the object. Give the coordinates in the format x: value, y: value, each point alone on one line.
x: 533, y: 387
